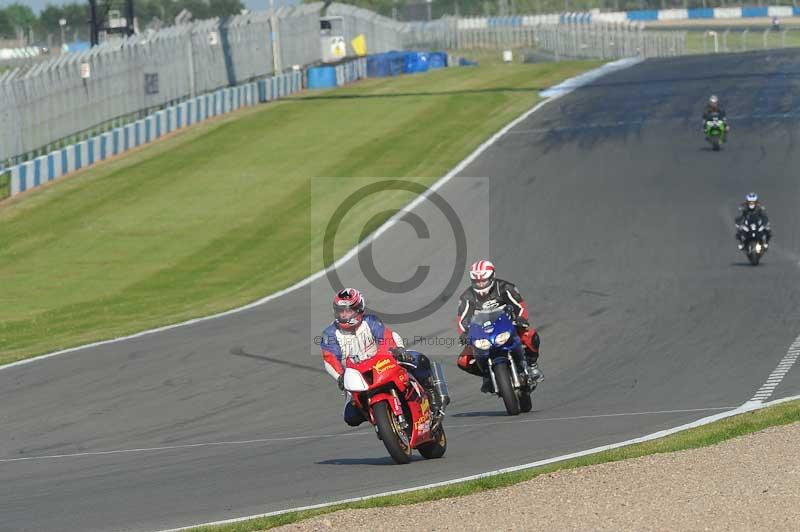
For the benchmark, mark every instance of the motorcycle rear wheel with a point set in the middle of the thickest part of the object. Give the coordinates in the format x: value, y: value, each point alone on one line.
x: 390, y: 431
x: 503, y: 376
x: 525, y: 401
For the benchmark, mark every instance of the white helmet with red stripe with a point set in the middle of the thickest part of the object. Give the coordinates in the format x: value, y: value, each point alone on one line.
x: 348, y: 309
x: 481, y: 274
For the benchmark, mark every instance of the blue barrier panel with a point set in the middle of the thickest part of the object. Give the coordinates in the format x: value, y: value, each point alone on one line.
x: 414, y: 62
x: 23, y: 177
x: 321, y: 77
x: 377, y: 66
x: 103, y: 150
x: 115, y: 142
x: 90, y: 156
x: 137, y: 133
x: 37, y: 172
x: 396, y: 62
x: 706, y: 12
x: 51, y: 166
x: 437, y: 59
x: 64, y: 161
x: 796, y: 11
x: 748, y: 12
x: 645, y: 14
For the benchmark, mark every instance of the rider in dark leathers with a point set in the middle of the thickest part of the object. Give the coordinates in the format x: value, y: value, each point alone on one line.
x: 486, y: 288
x: 751, y: 207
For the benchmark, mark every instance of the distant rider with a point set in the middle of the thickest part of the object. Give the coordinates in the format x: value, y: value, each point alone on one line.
x: 486, y: 288
x: 357, y: 335
x: 714, y: 110
x: 748, y: 208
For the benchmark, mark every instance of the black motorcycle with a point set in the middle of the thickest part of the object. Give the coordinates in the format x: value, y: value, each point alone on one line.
x: 753, y: 233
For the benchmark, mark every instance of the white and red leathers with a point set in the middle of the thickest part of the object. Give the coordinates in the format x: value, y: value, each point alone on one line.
x: 363, y: 343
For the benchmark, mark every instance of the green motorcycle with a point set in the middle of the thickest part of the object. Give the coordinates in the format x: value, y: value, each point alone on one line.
x: 716, y: 130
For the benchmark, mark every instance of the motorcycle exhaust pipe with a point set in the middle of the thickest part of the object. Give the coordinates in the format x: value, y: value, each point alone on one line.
x: 439, y: 383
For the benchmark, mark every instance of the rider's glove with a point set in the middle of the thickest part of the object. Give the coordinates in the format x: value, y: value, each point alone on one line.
x: 401, y: 354
x: 522, y: 323
x: 340, y: 381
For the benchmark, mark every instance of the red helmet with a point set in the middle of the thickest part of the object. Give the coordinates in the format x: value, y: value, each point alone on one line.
x: 348, y: 309
x: 481, y: 274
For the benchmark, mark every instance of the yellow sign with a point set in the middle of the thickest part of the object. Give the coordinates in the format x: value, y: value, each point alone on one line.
x: 338, y: 48
x: 359, y: 45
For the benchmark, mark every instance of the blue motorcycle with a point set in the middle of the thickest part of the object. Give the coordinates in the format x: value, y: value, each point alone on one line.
x: 498, y: 351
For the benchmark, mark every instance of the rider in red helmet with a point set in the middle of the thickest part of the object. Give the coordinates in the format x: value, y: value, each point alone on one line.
x: 357, y: 335
x: 485, y: 288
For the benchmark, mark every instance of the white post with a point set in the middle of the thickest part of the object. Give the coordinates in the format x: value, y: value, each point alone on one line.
x: 716, y: 41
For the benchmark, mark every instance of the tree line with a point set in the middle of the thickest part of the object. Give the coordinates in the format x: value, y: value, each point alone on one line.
x: 19, y: 21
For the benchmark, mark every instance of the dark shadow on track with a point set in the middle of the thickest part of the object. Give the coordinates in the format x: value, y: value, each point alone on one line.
x: 240, y: 352
x: 384, y: 461
x: 491, y: 413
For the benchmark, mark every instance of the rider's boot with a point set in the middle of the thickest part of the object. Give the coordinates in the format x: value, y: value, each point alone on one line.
x: 533, y: 366
x: 436, y: 401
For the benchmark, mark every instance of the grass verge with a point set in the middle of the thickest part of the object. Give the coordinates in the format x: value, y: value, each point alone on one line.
x: 781, y: 414
x: 219, y: 215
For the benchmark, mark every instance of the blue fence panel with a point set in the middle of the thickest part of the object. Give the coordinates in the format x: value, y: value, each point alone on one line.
x: 51, y: 166
x: 644, y: 14
x: 437, y: 59
x: 705, y: 12
x: 414, y: 62
x: 321, y: 77
x: 748, y: 12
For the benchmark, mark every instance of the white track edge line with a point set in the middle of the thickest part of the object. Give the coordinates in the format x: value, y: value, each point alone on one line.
x: 746, y: 407
x: 607, y: 68
x: 281, y: 439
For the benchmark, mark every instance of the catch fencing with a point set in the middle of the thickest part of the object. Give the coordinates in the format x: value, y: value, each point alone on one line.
x: 732, y: 40
x: 76, y: 96
x: 548, y: 34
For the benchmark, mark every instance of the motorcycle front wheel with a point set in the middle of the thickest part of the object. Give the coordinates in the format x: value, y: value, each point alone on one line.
x: 391, y: 433
x: 503, y: 376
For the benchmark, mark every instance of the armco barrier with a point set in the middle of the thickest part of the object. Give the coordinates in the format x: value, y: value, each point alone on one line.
x: 58, y: 163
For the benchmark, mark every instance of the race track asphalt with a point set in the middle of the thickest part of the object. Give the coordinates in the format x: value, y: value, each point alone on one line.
x: 607, y: 209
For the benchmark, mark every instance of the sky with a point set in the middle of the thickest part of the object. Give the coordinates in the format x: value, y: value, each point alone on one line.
x: 38, y: 5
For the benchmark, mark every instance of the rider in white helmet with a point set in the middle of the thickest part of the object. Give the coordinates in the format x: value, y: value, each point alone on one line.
x: 714, y: 110
x: 485, y: 288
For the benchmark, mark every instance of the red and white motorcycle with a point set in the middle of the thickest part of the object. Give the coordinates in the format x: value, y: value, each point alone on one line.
x: 396, y: 405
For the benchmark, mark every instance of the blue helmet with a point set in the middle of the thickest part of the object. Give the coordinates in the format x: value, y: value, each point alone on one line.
x: 752, y: 200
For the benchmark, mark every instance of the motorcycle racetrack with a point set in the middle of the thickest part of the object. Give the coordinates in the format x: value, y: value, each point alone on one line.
x: 608, y: 210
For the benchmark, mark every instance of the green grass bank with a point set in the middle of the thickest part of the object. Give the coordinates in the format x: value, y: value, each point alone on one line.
x: 219, y: 215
